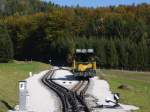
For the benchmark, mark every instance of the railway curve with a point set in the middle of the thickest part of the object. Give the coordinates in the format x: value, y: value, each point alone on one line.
x: 72, y: 100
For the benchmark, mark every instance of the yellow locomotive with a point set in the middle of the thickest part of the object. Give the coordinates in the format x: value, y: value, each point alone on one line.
x: 84, y: 64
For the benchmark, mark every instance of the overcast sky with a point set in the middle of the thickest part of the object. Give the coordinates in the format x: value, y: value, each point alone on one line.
x: 95, y: 3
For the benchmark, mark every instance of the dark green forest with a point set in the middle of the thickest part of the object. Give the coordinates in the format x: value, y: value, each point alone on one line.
x: 33, y: 29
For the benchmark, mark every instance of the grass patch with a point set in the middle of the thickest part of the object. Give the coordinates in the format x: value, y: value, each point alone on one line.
x: 140, y: 81
x: 10, y: 74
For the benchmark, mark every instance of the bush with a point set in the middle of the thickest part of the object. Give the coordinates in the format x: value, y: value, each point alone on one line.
x: 6, y: 46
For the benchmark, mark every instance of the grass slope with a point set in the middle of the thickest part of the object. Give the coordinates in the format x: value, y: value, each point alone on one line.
x: 10, y: 74
x: 140, y: 81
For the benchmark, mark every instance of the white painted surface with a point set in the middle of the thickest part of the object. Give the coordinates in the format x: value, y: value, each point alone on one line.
x: 40, y: 98
x: 129, y: 107
x: 101, y: 91
x: 64, y: 78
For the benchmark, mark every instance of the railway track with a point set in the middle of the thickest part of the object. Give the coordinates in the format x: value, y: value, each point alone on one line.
x: 72, y: 100
x: 81, y: 87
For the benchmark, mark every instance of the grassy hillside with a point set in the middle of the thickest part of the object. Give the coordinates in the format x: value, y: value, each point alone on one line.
x: 10, y: 74
x: 139, y: 95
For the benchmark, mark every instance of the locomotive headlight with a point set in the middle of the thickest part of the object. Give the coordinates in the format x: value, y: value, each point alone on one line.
x: 84, y: 51
x: 90, y: 50
x: 78, y: 50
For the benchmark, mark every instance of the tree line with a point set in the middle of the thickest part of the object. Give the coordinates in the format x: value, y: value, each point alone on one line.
x: 24, y: 7
x: 119, y: 35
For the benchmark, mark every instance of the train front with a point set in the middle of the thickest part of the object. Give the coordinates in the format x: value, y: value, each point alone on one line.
x: 84, y: 65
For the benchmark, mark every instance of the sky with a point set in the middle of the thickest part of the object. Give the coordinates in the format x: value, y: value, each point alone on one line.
x: 96, y: 3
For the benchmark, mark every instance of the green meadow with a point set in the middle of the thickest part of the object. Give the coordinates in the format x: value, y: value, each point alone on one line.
x: 10, y: 74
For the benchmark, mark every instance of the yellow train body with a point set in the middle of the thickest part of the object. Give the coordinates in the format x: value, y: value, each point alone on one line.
x: 82, y: 67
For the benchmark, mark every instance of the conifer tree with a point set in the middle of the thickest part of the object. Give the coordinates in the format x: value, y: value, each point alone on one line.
x: 6, y: 47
